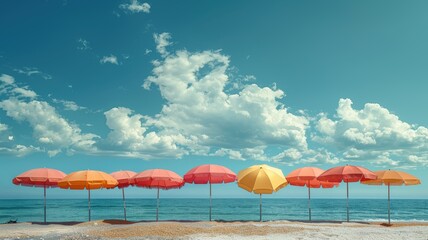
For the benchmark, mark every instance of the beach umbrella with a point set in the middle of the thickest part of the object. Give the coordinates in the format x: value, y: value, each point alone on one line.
x: 209, y: 173
x: 40, y: 177
x: 124, y: 179
x: 261, y: 179
x: 89, y: 180
x: 307, y: 176
x: 160, y: 179
x: 392, y: 178
x: 347, y: 174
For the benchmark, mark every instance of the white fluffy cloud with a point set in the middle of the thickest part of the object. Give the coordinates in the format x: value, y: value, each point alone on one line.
x: 109, y: 59
x: 135, y: 7
x: 372, y: 133
x: 49, y: 128
x: 7, y: 79
x: 201, y: 117
x: 23, y: 92
x: 19, y: 150
x: 162, y: 41
x: 129, y: 135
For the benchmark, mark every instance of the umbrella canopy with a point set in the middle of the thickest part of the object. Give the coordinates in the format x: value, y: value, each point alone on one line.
x: 392, y: 178
x: 347, y: 174
x: 124, y: 179
x: 261, y: 179
x: 209, y: 173
x: 40, y: 177
x: 160, y: 179
x: 88, y: 179
x: 307, y: 176
x: 313, y: 184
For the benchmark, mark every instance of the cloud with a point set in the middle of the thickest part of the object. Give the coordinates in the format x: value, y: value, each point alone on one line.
x: 109, y: 59
x: 129, y: 135
x: 68, y: 105
x: 9, y: 87
x: 83, y: 44
x: 7, y: 79
x: 19, y: 150
x: 29, y: 71
x: 3, y: 127
x: 49, y: 128
x: 136, y: 7
x: 201, y: 117
x: 372, y: 133
x: 162, y: 41
x: 22, y: 92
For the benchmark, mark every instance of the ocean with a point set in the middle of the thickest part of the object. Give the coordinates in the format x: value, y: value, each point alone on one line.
x: 65, y: 210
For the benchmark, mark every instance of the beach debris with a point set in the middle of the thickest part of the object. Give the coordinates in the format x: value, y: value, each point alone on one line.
x: 11, y: 221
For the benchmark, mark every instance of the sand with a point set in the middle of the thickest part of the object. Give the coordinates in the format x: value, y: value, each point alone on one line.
x: 116, y: 229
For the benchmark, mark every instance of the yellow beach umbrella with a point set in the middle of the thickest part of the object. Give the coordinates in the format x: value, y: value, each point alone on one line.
x: 89, y: 180
x: 261, y: 179
x: 392, y: 178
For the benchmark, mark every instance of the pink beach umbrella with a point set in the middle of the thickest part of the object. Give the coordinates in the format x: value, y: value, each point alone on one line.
x: 307, y: 176
x: 160, y: 179
x: 124, y: 179
x: 347, y: 174
x: 40, y: 177
x: 209, y: 173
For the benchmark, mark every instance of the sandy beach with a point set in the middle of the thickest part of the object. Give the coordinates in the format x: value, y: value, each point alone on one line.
x: 115, y: 229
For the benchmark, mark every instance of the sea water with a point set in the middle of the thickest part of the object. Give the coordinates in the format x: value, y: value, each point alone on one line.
x: 234, y: 209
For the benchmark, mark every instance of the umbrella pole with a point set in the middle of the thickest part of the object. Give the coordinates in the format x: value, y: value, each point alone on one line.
x: 89, y: 203
x: 347, y: 202
x: 309, y: 199
x: 211, y: 204
x: 124, y: 202
x: 157, y: 208
x: 260, y: 207
x: 45, y: 202
x: 389, y: 206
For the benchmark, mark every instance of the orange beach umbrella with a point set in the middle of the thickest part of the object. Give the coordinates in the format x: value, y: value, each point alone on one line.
x: 307, y: 176
x: 347, y: 174
x: 124, y: 179
x: 392, y: 178
x: 209, y: 173
x: 261, y: 179
x: 88, y: 179
x: 40, y: 177
x: 160, y: 179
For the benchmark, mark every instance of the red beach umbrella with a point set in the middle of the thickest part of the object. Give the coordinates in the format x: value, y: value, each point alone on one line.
x: 347, y: 174
x: 160, y: 179
x: 40, y: 177
x: 307, y: 176
x: 209, y: 173
x: 124, y: 179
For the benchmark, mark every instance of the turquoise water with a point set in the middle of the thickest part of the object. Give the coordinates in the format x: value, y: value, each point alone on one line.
x: 223, y: 209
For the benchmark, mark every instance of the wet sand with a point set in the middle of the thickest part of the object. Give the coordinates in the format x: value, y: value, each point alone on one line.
x: 117, y: 229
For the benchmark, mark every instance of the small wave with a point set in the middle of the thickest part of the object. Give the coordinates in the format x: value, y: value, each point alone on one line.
x: 392, y: 220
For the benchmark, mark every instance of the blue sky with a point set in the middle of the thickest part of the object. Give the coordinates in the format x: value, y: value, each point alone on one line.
x: 135, y: 85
